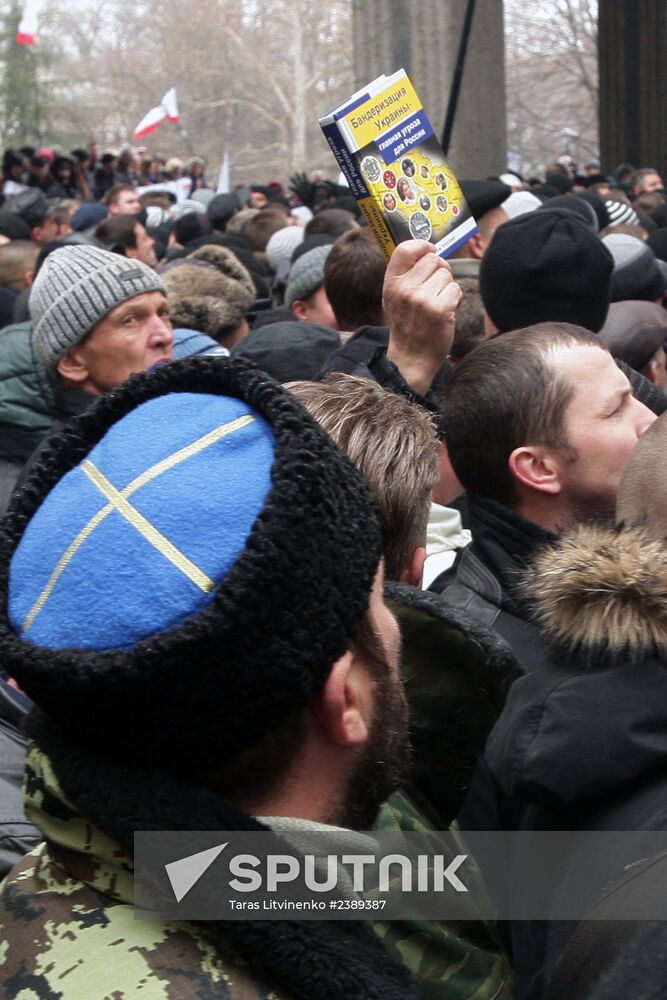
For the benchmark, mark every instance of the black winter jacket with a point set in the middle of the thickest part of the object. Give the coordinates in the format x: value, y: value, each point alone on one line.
x: 582, y: 741
x: 17, y: 835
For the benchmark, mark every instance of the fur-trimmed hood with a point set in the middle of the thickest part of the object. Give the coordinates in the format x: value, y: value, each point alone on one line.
x: 602, y: 591
x: 584, y: 734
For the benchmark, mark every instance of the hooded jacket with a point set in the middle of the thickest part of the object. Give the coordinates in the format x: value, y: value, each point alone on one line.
x: 574, y: 737
x: 27, y: 406
x: 582, y: 742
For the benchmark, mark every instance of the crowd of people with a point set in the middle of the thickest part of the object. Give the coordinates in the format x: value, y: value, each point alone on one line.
x: 298, y: 538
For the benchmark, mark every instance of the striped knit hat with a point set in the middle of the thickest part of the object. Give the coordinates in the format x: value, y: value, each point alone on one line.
x: 621, y: 214
x: 75, y: 288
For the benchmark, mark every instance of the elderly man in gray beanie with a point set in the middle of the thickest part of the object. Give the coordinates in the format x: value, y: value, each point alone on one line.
x: 97, y: 319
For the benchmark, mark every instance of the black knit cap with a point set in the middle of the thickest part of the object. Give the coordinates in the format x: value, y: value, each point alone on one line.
x: 658, y: 243
x: 573, y: 203
x: 263, y: 647
x: 482, y: 196
x: 546, y: 266
x: 598, y: 206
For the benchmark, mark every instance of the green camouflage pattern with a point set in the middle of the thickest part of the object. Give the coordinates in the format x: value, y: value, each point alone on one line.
x: 67, y: 928
x: 456, y: 683
x: 451, y: 960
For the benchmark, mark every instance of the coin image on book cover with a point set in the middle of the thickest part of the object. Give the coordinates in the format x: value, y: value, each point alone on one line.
x: 389, y: 202
x: 404, y: 191
x: 441, y: 203
x: 371, y: 169
x: 389, y: 178
x: 425, y: 202
x: 420, y: 227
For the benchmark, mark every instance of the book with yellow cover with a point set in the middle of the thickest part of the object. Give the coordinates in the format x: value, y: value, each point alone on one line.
x: 395, y: 166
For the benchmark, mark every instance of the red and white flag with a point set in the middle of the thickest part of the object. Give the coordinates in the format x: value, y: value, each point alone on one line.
x: 166, y: 111
x: 27, y: 30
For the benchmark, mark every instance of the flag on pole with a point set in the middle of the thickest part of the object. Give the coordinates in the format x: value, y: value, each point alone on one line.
x: 223, y: 176
x: 166, y: 110
x: 27, y: 30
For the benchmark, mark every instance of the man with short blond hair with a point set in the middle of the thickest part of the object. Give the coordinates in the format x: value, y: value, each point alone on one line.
x: 393, y: 444
x: 17, y: 264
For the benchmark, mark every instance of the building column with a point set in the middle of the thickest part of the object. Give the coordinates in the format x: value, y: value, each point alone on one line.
x: 632, y: 47
x: 423, y: 36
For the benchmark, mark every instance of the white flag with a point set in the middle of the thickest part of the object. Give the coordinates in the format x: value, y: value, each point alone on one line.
x: 223, y: 176
x: 27, y: 30
x: 166, y: 110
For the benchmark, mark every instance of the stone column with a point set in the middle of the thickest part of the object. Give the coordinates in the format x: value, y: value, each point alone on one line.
x: 423, y: 37
x: 632, y: 47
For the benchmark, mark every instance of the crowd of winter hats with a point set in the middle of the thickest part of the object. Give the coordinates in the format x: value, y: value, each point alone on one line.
x: 235, y: 263
x: 568, y: 249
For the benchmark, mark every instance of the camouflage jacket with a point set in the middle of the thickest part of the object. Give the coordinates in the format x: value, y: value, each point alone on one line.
x: 451, y: 960
x: 67, y: 929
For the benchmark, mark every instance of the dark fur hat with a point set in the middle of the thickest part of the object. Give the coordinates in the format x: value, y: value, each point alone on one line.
x: 225, y: 674
x: 209, y: 290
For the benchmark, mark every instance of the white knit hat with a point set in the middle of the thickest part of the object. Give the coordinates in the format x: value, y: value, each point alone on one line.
x: 282, y: 245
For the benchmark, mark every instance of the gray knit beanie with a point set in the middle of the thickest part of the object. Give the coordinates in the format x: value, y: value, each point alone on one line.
x: 76, y: 287
x: 307, y: 274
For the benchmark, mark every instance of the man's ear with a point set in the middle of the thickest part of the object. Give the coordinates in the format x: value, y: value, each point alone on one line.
x: 343, y: 708
x: 490, y: 328
x: 476, y: 245
x: 414, y: 569
x: 652, y: 372
x: 72, y: 367
x: 300, y: 309
x: 536, y: 467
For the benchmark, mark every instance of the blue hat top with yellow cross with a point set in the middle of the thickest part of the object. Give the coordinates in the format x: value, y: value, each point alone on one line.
x: 136, y: 538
